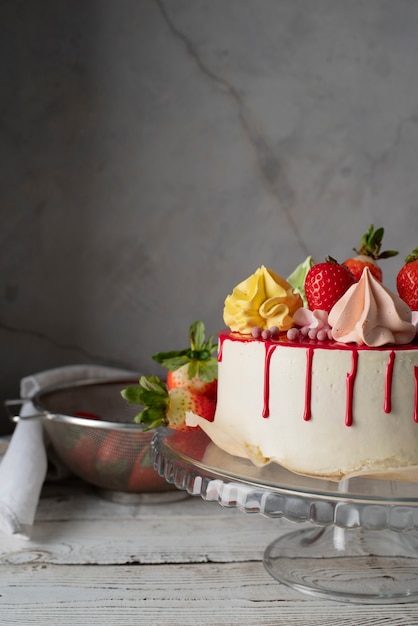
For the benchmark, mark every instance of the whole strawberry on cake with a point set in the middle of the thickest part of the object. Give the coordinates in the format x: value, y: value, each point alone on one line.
x: 319, y: 372
x: 368, y: 254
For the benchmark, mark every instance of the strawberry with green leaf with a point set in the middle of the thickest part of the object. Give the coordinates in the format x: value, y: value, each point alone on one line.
x: 167, y: 407
x: 193, y: 368
x: 407, y: 280
x: 368, y: 254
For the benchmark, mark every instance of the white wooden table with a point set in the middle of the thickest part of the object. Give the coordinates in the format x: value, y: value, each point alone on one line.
x: 93, y: 561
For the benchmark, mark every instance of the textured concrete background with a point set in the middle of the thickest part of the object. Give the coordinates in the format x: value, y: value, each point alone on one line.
x: 155, y: 153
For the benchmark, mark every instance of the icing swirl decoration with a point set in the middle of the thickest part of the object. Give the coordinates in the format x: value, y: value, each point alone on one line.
x: 369, y: 314
x: 263, y: 300
x: 312, y: 319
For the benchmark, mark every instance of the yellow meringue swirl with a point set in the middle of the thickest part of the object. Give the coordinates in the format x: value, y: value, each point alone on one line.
x: 371, y: 315
x: 263, y: 300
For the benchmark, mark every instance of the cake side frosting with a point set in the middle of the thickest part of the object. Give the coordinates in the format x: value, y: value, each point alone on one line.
x: 321, y: 410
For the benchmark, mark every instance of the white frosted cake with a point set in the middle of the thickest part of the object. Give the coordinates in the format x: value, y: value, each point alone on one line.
x: 327, y: 393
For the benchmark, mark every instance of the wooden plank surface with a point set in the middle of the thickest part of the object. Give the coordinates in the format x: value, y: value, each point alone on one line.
x: 93, y: 561
x: 79, y: 527
x: 208, y: 594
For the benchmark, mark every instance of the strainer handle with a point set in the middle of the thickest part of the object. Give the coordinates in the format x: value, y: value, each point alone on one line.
x: 17, y: 418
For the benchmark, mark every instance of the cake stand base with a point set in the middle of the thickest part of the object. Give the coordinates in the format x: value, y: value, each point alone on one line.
x: 355, y: 565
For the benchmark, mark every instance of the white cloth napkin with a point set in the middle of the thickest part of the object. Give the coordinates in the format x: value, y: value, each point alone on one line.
x: 24, y: 465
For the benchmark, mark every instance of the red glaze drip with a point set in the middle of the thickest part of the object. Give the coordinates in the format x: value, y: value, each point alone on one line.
x: 220, y: 346
x: 270, y: 348
x: 308, y: 384
x: 387, y: 406
x: 416, y: 394
x: 324, y: 345
x: 351, y: 377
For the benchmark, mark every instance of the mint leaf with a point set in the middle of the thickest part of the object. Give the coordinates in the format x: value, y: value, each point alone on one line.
x: 297, y: 278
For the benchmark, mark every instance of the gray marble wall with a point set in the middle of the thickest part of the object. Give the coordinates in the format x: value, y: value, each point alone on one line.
x: 154, y: 153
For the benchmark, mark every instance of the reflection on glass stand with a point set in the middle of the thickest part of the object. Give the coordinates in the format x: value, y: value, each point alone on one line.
x: 362, y: 541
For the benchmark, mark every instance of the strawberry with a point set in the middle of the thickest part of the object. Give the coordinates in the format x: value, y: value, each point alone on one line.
x: 143, y: 476
x: 167, y: 407
x: 180, y: 378
x: 368, y: 254
x: 325, y: 283
x: 195, y: 446
x: 87, y: 415
x: 112, y: 456
x: 192, y: 368
x: 407, y: 281
x: 78, y: 447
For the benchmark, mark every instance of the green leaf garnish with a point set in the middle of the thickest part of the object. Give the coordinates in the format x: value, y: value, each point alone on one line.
x: 297, y: 278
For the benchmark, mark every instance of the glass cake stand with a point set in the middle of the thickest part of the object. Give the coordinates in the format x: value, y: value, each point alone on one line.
x: 361, y: 542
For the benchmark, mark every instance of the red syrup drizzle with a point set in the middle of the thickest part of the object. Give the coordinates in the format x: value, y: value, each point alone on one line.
x: 308, y: 384
x: 220, y: 347
x: 351, y: 376
x: 416, y: 395
x: 387, y: 406
x: 270, y: 348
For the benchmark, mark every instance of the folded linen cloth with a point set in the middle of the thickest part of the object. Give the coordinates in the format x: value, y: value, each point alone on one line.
x: 24, y: 466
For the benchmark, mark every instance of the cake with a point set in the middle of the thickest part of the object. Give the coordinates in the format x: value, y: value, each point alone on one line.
x: 326, y: 391
x: 317, y: 372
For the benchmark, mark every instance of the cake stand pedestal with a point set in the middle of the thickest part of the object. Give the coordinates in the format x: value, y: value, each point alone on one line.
x: 361, y: 543
x: 353, y: 565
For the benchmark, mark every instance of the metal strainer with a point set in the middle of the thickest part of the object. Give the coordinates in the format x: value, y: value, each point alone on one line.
x: 91, y: 429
